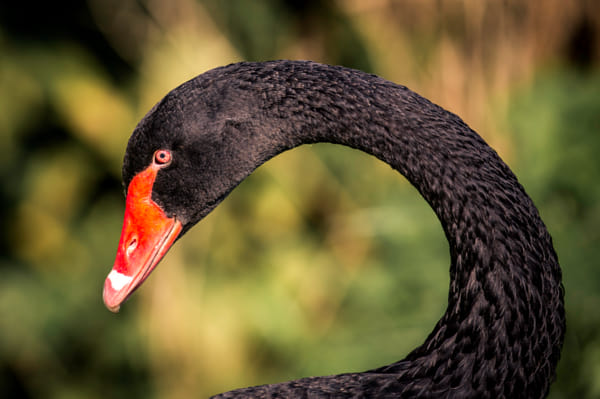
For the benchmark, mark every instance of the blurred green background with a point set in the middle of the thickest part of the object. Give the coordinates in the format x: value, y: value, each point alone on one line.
x: 325, y: 260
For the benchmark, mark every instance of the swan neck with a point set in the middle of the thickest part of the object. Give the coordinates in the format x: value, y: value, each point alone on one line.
x: 505, y: 292
x: 505, y: 317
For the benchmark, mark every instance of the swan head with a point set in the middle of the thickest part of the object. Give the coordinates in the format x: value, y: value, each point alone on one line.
x: 181, y: 161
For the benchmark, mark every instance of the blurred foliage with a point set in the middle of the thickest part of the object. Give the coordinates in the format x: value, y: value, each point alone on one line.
x: 548, y: 124
x: 324, y: 260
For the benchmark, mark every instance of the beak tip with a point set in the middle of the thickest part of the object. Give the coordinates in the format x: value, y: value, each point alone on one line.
x: 108, y: 296
x: 114, y: 309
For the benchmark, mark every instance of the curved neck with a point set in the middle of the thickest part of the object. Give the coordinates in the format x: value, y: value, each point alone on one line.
x: 505, y: 310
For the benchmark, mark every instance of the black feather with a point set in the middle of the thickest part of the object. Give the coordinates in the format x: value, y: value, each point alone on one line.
x: 504, y: 327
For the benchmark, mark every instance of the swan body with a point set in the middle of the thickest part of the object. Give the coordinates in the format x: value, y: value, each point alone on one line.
x: 504, y: 326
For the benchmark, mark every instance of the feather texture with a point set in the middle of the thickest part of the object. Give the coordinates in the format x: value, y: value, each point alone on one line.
x: 503, y: 329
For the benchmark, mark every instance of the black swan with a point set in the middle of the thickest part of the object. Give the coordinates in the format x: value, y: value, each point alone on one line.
x: 503, y: 330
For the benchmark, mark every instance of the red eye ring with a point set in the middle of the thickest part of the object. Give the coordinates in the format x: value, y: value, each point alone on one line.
x: 162, y: 157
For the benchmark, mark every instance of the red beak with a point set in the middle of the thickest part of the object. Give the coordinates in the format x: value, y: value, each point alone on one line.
x: 146, y: 237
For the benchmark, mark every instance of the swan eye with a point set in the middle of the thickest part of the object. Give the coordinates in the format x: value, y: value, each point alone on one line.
x: 162, y: 157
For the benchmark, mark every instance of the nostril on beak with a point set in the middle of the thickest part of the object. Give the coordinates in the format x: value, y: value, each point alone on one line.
x: 132, y: 245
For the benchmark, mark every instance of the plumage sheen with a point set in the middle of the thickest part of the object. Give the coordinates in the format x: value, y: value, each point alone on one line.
x: 503, y: 329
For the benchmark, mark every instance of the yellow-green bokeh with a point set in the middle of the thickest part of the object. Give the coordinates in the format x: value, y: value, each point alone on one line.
x: 325, y: 260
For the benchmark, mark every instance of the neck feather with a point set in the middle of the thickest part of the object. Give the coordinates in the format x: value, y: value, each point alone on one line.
x: 504, y: 323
